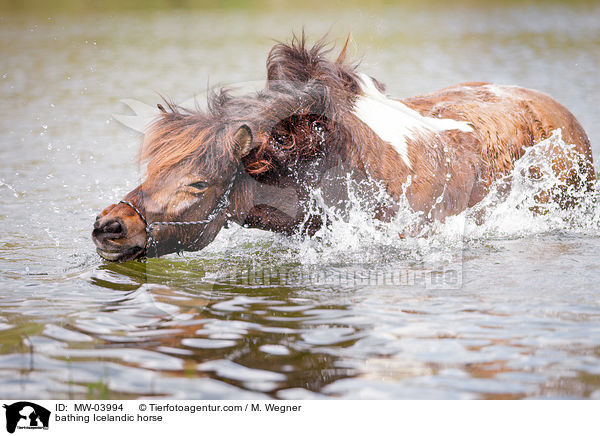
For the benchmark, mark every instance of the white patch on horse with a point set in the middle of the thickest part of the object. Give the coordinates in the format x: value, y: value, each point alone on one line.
x: 394, y: 122
x: 501, y: 91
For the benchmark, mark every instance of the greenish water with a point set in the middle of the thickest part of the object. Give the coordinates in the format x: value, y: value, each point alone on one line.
x: 355, y: 314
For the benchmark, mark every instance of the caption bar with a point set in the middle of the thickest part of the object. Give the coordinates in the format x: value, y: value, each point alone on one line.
x: 274, y: 417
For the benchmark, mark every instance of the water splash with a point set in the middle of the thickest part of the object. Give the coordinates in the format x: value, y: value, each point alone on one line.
x: 522, y: 209
x: 513, y: 209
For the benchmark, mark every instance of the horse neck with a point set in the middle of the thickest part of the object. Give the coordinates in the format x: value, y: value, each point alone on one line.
x: 371, y: 157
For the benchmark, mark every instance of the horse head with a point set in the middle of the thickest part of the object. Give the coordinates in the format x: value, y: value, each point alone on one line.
x: 194, y: 165
x: 253, y: 160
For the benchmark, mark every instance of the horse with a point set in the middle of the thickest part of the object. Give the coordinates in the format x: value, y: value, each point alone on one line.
x: 254, y: 159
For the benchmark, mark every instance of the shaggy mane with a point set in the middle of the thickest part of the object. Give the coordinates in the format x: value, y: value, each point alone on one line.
x: 179, y: 138
x: 296, y: 62
x: 301, y: 82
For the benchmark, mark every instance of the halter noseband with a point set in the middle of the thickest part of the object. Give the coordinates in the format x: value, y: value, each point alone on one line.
x: 222, y: 203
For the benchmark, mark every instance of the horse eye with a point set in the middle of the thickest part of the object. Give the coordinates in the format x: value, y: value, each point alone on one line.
x: 201, y: 186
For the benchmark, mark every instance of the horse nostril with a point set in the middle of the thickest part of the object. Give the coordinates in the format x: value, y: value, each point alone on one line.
x: 113, y: 227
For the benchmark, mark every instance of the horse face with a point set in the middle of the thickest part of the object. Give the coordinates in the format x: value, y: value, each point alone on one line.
x: 121, y: 234
x: 160, y: 216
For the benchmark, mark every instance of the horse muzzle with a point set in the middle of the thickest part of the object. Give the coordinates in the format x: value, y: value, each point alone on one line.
x: 119, y: 234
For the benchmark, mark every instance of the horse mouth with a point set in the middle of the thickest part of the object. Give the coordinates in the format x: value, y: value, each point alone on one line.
x: 121, y: 256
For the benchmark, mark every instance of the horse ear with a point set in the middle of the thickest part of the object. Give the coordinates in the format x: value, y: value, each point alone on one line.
x: 243, y: 140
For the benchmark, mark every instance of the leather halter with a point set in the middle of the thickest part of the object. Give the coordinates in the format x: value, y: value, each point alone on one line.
x: 222, y: 203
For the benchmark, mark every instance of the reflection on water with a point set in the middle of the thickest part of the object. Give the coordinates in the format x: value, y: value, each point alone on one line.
x: 166, y: 328
x: 351, y: 314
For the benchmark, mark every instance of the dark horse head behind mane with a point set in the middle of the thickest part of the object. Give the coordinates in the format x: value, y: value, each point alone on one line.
x: 255, y: 159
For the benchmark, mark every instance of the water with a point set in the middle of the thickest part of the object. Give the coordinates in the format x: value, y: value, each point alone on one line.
x: 509, y: 309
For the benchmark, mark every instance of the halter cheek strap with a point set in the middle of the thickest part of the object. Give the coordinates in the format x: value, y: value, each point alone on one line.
x: 222, y: 203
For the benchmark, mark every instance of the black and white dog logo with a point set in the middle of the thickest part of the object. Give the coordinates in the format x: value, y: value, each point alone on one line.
x: 26, y: 415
